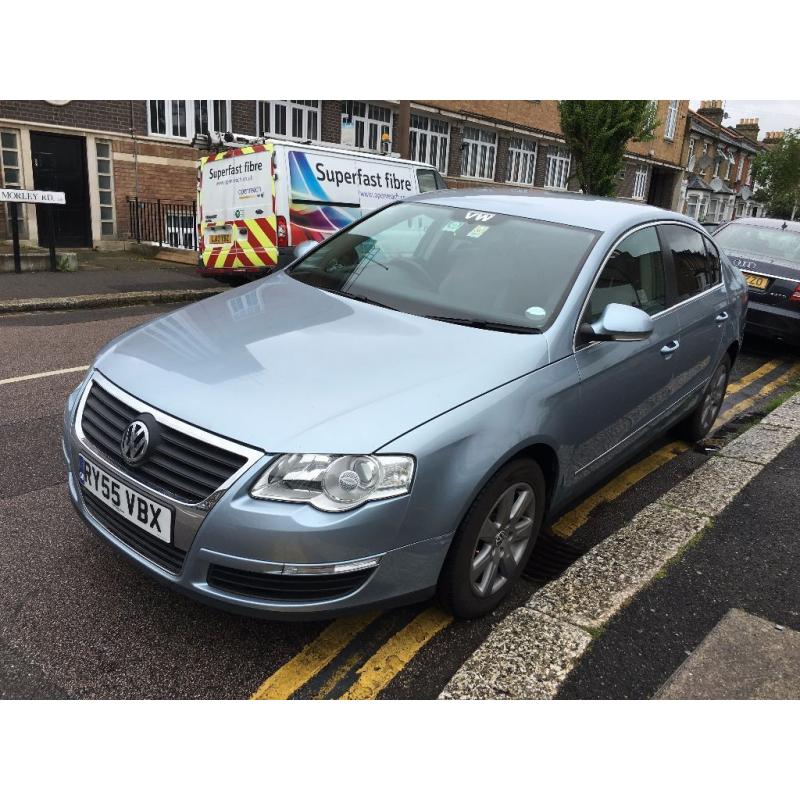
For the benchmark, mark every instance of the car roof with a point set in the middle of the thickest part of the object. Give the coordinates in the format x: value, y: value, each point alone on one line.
x: 568, y: 208
x: 768, y: 222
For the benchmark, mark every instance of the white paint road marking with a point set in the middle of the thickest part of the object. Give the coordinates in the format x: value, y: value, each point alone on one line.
x: 44, y: 374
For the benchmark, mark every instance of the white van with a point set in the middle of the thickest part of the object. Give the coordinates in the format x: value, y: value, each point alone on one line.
x: 256, y: 203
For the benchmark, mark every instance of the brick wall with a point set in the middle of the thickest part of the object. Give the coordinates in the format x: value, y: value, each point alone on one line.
x: 331, y: 122
x: 243, y: 117
x: 103, y: 115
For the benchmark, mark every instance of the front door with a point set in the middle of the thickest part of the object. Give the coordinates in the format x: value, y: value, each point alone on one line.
x: 625, y: 387
x: 59, y: 164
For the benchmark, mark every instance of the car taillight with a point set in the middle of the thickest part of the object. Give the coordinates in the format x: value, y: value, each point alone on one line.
x: 795, y: 298
x: 283, y: 232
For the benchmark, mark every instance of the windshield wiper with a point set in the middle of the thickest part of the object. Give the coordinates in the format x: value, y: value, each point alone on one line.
x: 487, y: 324
x: 362, y: 298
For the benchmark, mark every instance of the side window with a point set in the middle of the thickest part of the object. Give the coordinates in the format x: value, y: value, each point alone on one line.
x: 633, y: 276
x: 714, y: 269
x: 426, y: 178
x: 694, y: 270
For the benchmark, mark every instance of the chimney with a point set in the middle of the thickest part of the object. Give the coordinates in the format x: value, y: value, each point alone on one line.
x: 771, y: 138
x: 712, y: 109
x: 749, y: 127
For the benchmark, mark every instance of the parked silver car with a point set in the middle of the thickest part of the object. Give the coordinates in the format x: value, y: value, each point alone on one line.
x: 399, y: 411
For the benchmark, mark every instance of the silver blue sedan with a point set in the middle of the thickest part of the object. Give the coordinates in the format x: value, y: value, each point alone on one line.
x: 399, y: 412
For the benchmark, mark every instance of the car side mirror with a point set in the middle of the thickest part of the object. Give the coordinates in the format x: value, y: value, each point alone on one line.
x: 618, y: 323
x: 304, y: 247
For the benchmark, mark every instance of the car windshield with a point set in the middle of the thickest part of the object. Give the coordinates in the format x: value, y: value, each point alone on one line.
x: 770, y: 243
x: 465, y: 266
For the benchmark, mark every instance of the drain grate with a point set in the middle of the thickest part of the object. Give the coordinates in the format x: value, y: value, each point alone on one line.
x: 550, y: 557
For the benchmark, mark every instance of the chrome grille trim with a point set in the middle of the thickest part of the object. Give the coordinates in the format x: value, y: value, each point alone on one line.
x: 182, y: 430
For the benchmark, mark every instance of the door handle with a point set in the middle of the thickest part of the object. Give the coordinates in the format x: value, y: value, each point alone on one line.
x: 721, y: 317
x: 670, y: 348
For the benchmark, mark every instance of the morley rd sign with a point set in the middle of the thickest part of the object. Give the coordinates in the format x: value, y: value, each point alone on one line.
x: 39, y: 196
x: 31, y: 196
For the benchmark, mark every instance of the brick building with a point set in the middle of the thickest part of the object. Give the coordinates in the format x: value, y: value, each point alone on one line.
x: 103, y: 152
x: 718, y: 162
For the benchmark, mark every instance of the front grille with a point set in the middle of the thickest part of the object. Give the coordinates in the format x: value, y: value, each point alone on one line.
x: 163, y: 554
x: 294, y: 588
x: 187, y: 468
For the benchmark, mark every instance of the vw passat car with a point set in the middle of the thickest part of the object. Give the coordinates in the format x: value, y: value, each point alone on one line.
x: 767, y: 251
x: 398, y: 412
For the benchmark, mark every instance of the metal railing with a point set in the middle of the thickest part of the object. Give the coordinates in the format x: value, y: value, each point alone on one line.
x: 162, y: 222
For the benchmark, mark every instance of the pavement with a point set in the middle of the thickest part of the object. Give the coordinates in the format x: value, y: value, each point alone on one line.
x: 723, y: 620
x: 104, y: 279
x: 77, y: 620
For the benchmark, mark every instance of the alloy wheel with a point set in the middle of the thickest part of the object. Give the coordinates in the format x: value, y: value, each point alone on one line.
x: 715, y: 395
x: 503, y: 539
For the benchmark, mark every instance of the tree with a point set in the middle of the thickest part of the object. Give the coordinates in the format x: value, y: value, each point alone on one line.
x: 778, y: 172
x: 597, y: 132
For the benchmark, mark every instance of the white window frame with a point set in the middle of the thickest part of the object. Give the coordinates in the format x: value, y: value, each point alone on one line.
x: 717, y: 162
x: 640, y: 183
x: 478, y: 153
x: 690, y: 158
x: 189, y: 113
x: 429, y: 141
x: 692, y: 200
x: 671, y: 123
x: 740, y: 167
x: 559, y: 163
x: 108, y: 213
x: 4, y: 166
x: 521, y: 164
x: 369, y: 128
x: 309, y: 112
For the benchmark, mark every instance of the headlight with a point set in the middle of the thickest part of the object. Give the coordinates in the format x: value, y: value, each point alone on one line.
x: 334, y: 483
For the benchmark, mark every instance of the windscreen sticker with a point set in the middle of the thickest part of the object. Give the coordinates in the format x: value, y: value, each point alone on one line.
x: 477, y: 231
x: 452, y: 227
x: 480, y: 216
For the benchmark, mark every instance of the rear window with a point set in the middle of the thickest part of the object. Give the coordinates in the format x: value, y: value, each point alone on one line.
x: 767, y: 243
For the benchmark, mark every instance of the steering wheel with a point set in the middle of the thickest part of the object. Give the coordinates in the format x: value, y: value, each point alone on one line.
x: 412, y: 268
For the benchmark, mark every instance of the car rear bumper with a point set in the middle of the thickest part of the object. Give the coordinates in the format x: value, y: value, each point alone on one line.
x: 773, y: 322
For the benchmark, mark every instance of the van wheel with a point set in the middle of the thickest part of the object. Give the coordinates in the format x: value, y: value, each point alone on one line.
x: 494, y: 541
x: 699, y: 423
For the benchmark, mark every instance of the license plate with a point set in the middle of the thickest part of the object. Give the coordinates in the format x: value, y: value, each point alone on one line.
x: 756, y: 281
x: 219, y: 238
x: 151, y: 517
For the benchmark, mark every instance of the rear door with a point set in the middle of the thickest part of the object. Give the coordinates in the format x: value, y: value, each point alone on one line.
x: 236, y: 209
x: 702, y: 305
x: 625, y: 387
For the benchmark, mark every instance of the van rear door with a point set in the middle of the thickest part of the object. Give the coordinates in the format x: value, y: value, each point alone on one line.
x: 236, y: 210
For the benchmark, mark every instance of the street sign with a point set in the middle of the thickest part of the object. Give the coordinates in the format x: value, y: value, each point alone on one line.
x: 32, y: 196
x: 15, y: 196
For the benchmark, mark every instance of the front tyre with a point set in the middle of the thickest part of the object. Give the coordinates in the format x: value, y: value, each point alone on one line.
x: 494, y: 541
x: 698, y: 424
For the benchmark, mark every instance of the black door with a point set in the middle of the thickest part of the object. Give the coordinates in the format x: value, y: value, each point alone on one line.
x: 59, y: 164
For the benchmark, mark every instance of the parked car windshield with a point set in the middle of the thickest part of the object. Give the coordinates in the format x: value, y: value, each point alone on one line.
x: 772, y: 243
x: 468, y: 266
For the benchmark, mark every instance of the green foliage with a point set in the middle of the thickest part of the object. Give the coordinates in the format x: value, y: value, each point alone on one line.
x: 597, y: 132
x: 778, y: 172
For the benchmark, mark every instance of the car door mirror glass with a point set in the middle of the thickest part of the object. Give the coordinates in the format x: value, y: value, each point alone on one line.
x: 618, y: 323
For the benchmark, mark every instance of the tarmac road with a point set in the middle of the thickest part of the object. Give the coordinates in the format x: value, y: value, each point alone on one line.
x: 77, y: 620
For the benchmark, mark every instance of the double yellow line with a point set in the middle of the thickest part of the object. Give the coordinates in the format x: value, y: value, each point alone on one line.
x: 392, y: 657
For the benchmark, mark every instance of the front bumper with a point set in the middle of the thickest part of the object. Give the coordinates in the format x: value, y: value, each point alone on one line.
x: 773, y: 321
x: 253, y: 544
